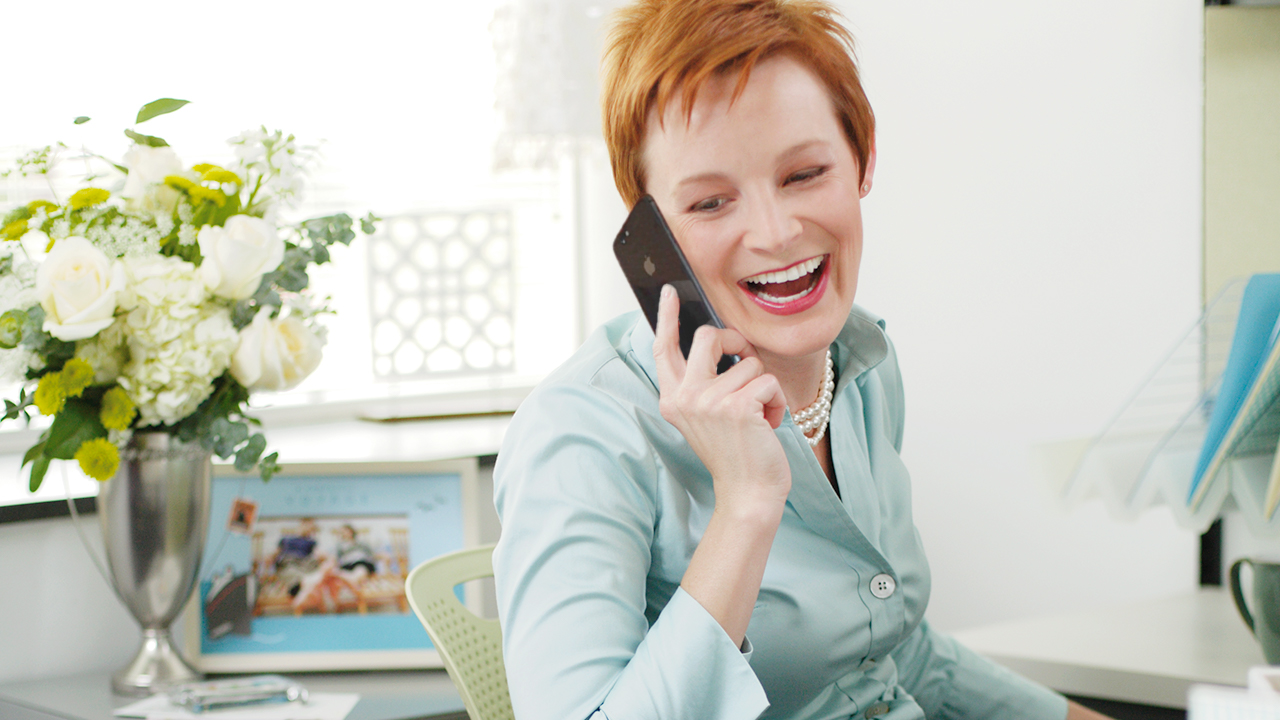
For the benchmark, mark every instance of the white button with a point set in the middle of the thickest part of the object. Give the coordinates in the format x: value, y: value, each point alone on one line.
x: 883, y: 585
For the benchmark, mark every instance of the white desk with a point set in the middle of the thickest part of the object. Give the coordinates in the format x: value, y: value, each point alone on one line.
x: 1149, y: 653
x: 401, y: 695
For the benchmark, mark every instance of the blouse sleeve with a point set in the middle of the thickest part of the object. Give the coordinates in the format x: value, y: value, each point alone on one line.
x: 575, y: 489
x: 951, y: 682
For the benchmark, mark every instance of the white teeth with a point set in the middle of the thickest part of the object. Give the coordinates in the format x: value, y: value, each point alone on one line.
x: 785, y: 300
x: 794, y: 272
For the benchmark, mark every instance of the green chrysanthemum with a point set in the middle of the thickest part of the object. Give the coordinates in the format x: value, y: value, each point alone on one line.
x: 50, y: 397
x: 98, y: 458
x: 219, y: 175
x: 35, y: 205
x: 179, y: 182
x: 14, y: 230
x: 199, y: 192
x: 118, y: 410
x: 88, y: 197
x: 75, y: 376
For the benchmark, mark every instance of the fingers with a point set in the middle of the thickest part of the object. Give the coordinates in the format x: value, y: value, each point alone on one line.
x: 667, y: 356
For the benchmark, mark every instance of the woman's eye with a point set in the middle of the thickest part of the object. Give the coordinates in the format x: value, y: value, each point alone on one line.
x: 807, y: 174
x: 707, y: 205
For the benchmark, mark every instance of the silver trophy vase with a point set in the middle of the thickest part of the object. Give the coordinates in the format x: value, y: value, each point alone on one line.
x: 155, y: 515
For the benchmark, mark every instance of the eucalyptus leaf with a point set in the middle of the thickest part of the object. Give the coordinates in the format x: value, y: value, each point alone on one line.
x: 159, y: 107
x: 148, y: 140
x: 269, y: 466
x: 81, y: 120
x: 227, y: 435
x: 368, y: 224
x: 248, y: 455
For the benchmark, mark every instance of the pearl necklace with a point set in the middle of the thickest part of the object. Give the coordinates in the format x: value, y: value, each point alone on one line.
x: 814, y: 418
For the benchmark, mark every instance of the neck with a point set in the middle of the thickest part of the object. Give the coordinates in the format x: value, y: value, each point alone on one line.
x: 800, y: 377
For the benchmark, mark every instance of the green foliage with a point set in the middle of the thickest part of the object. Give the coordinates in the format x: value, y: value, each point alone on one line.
x: 247, y: 456
x: 150, y: 140
x: 81, y: 120
x: 268, y: 466
x: 156, y: 108
x: 77, y: 422
x: 13, y: 411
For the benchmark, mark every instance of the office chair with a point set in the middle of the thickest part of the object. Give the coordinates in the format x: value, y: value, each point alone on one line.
x: 469, y: 645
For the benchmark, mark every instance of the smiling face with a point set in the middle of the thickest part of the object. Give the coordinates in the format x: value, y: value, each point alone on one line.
x: 763, y: 196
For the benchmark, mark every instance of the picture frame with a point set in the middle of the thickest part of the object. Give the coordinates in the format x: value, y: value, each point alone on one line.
x: 306, y: 572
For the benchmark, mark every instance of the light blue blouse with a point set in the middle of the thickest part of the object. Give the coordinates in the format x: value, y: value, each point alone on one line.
x: 603, y: 503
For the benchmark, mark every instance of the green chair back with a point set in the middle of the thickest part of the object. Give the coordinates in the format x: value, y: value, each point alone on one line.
x: 469, y: 645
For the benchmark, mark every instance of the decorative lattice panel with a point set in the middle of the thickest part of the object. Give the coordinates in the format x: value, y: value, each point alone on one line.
x: 440, y: 294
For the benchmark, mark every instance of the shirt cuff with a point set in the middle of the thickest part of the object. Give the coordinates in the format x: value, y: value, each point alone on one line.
x: 688, y: 667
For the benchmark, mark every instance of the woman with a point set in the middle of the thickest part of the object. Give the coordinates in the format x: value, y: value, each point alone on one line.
x: 674, y: 544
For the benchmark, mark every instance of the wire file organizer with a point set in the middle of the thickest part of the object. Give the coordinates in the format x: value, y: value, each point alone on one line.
x: 1147, y: 452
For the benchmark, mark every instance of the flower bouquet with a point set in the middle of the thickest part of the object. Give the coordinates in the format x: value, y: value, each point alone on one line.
x: 158, y: 296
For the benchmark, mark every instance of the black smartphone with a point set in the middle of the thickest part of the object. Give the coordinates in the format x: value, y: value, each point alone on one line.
x: 650, y: 258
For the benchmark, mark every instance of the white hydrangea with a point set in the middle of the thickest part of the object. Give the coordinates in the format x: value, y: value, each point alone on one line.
x: 15, y: 363
x: 178, y: 343
x: 107, y: 352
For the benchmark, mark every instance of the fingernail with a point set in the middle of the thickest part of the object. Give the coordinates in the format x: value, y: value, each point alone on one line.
x: 668, y: 291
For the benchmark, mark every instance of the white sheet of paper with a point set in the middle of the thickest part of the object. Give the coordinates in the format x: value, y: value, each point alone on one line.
x: 319, y: 706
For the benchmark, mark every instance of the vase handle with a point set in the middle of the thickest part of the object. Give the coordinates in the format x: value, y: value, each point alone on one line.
x: 1238, y: 595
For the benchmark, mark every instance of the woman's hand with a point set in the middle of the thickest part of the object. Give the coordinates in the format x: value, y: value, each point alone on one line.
x: 727, y: 419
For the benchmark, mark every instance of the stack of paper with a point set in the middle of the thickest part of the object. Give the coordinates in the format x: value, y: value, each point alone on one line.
x: 1245, y: 419
x: 319, y: 706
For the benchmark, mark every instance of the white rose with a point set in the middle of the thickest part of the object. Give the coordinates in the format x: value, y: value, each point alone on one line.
x: 144, y: 188
x: 237, y: 255
x: 77, y: 286
x: 275, y: 354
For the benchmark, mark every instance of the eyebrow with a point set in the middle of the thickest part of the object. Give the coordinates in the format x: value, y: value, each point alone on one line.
x: 783, y: 157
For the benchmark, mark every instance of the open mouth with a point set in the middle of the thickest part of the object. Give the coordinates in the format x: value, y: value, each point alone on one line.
x: 788, y: 286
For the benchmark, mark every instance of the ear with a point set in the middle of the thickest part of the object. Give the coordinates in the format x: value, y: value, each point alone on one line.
x: 871, y: 171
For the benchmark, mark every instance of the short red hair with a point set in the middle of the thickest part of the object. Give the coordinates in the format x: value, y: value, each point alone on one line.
x: 660, y: 48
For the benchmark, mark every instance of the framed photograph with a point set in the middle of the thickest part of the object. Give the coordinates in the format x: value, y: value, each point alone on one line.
x: 307, y: 571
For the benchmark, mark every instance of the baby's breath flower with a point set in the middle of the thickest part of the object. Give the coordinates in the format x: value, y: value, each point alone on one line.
x: 88, y: 197
x: 61, y: 228
x: 187, y: 234
x: 98, y: 458
x: 118, y: 410
x: 164, y: 225
x: 50, y: 397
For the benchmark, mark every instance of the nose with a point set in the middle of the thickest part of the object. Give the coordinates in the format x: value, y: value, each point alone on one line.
x: 771, y: 224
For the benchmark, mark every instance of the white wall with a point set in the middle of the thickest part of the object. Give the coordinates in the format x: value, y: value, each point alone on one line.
x: 58, y: 616
x: 1033, y: 240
